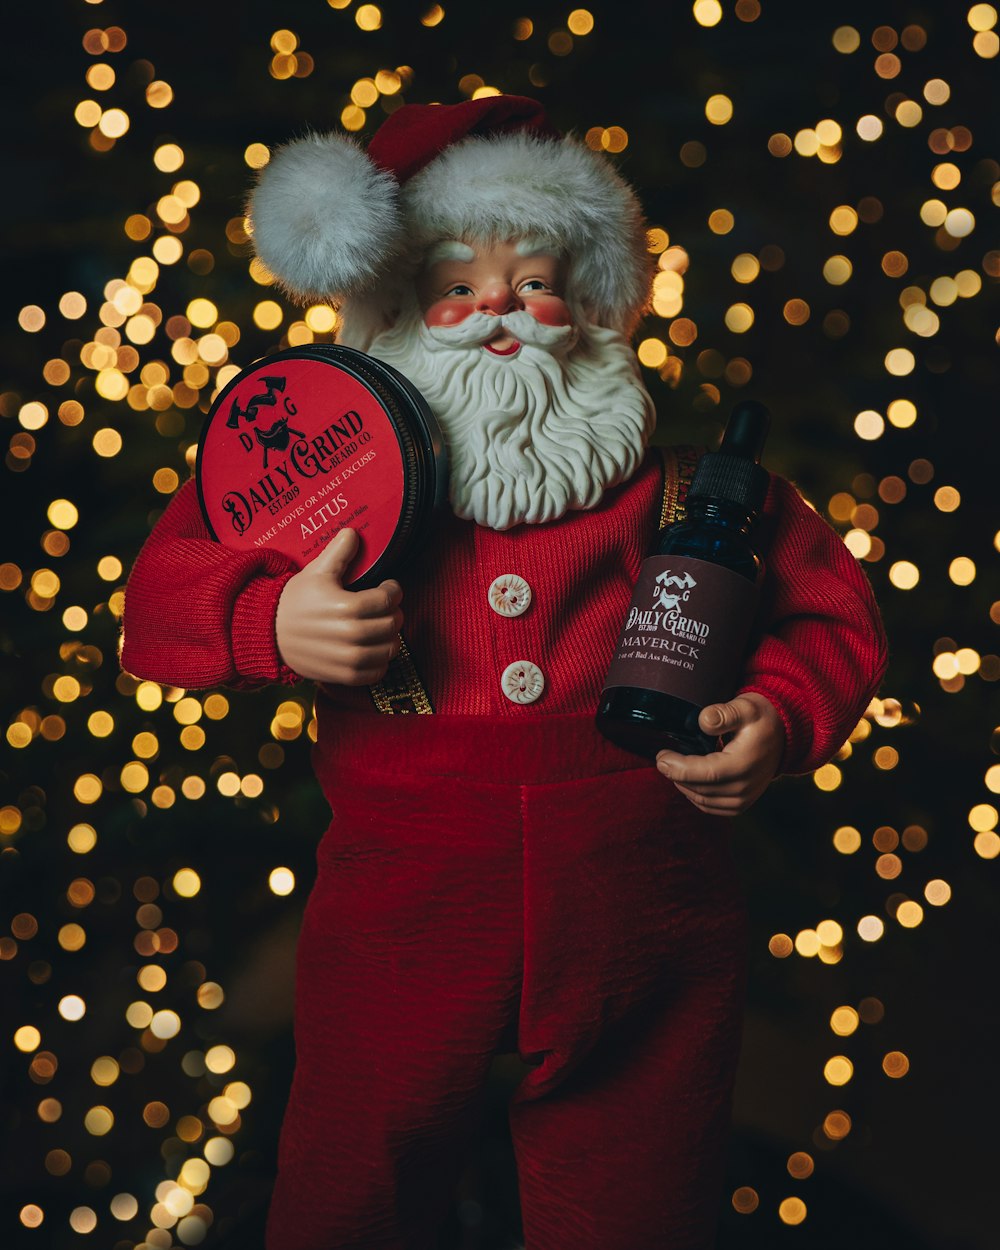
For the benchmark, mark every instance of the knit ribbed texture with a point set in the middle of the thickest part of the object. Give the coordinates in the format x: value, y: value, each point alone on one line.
x: 820, y: 651
x: 198, y: 614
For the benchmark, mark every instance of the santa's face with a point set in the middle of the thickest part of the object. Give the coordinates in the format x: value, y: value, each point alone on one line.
x: 542, y: 410
x: 492, y: 280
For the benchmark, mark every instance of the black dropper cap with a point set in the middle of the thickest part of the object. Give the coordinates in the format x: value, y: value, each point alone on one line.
x: 734, y: 473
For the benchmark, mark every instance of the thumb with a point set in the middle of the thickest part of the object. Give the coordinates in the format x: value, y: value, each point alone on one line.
x: 338, y: 553
x: 722, y: 718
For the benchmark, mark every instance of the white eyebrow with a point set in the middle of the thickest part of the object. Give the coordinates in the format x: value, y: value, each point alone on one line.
x: 448, y: 249
x: 535, y: 247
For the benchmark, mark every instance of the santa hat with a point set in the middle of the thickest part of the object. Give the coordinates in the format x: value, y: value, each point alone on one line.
x: 333, y: 221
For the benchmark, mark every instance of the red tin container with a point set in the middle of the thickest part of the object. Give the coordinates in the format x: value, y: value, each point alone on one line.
x: 313, y: 439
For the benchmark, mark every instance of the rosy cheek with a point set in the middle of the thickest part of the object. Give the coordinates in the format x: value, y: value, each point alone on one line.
x: 448, y: 312
x: 550, y: 310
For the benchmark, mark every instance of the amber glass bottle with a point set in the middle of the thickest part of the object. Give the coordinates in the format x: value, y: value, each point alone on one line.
x: 686, y: 630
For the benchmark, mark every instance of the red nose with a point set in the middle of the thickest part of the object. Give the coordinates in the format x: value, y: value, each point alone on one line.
x: 499, y: 298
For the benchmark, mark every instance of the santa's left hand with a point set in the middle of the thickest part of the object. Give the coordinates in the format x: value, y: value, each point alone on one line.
x: 727, y: 782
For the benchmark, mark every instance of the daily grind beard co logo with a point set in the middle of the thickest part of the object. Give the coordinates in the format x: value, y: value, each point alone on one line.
x: 670, y: 591
x: 307, y: 458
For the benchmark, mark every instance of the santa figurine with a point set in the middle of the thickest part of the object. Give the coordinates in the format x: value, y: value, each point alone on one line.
x: 498, y: 878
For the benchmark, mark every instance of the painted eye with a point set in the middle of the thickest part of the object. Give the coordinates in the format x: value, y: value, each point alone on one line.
x: 459, y: 289
x: 534, y: 284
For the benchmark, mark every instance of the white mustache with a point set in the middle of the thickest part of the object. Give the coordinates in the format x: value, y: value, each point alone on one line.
x: 479, y: 328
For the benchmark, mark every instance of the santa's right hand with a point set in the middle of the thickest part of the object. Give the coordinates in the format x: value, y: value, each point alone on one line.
x: 334, y: 635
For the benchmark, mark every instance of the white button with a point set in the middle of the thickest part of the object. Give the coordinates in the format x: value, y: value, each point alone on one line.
x: 522, y: 681
x: 509, y: 594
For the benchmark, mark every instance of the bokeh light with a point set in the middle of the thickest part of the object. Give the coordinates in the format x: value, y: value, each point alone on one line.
x: 820, y: 240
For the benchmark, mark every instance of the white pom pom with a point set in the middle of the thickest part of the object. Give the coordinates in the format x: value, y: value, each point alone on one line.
x: 325, y: 218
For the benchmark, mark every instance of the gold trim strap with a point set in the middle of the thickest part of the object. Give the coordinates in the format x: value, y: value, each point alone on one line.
x: 679, y: 464
x: 401, y: 692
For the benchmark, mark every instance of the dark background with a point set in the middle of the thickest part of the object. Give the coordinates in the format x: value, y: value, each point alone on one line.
x: 917, y: 1167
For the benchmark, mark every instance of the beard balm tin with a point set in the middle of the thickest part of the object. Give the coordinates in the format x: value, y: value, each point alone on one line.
x: 312, y: 440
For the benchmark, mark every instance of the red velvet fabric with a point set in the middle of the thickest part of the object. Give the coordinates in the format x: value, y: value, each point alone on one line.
x: 554, y: 899
x: 412, y: 136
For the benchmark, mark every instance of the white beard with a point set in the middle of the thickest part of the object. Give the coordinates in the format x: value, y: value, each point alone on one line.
x: 533, y: 436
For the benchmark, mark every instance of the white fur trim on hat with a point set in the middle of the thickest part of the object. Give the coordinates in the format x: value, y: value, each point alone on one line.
x: 508, y: 186
x: 325, y: 218
x: 328, y: 223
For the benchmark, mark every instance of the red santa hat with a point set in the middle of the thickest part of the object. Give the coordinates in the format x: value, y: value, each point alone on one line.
x: 333, y: 221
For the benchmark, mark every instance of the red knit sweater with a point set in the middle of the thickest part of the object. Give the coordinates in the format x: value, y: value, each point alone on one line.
x: 198, y: 614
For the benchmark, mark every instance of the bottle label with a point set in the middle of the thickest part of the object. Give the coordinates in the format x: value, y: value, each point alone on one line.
x: 686, y: 630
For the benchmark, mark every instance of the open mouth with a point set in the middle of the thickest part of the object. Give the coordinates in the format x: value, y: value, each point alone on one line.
x: 503, y: 351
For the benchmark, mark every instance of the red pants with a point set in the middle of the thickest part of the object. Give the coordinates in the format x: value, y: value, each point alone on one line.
x: 485, y: 888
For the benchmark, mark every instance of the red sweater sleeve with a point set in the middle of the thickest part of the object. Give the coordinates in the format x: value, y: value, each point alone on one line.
x: 821, y: 650
x: 199, y: 614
